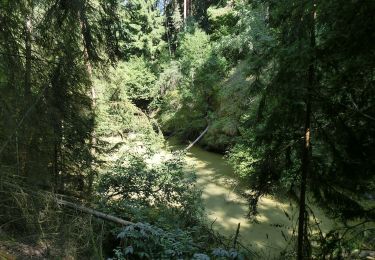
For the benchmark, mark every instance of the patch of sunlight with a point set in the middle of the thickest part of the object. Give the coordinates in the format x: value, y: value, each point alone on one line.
x: 158, y: 158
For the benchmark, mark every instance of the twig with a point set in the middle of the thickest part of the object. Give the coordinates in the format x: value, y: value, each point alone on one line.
x: 236, y: 236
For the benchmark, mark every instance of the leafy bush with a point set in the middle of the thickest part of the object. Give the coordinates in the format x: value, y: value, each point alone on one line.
x: 193, y: 51
x: 151, y: 191
x: 135, y: 79
x: 150, y: 242
x: 144, y: 241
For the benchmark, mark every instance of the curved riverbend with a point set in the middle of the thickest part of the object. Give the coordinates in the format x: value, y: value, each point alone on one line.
x: 225, y: 207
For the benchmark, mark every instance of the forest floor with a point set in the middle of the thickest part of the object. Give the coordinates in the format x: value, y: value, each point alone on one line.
x: 11, y: 250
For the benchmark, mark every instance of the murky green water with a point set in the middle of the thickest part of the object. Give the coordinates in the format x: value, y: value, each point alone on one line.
x: 226, y: 208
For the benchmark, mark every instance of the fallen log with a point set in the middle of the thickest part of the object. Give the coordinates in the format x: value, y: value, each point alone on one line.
x: 196, y: 140
x: 93, y: 212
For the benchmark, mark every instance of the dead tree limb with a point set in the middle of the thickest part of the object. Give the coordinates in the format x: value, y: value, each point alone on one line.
x: 196, y: 140
x: 93, y: 212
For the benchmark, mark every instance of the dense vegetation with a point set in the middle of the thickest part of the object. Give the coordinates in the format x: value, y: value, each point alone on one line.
x: 91, y: 89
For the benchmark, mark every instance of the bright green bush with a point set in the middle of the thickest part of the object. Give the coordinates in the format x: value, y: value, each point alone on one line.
x: 135, y: 79
x: 151, y: 191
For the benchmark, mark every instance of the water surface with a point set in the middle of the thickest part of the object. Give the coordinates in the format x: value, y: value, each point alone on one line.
x: 225, y: 207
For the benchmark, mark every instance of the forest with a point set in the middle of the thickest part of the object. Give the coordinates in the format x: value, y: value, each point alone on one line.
x: 187, y: 129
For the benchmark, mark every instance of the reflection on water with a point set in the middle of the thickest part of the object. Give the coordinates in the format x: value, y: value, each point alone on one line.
x: 226, y: 208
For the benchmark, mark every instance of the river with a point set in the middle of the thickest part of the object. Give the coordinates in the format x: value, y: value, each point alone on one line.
x: 225, y: 207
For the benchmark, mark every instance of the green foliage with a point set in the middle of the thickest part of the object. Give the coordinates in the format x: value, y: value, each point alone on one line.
x: 69, y: 122
x: 141, y: 29
x: 177, y: 20
x: 135, y: 80
x: 345, y: 242
x: 186, y: 108
x: 206, y: 94
x: 243, y: 160
x: 222, y: 22
x: 194, y: 49
x: 239, y: 28
x: 170, y: 78
x: 200, y: 8
x: 184, y: 105
x: 160, y: 187
x: 276, y: 127
x: 119, y: 120
x: 149, y: 242
x: 51, y: 118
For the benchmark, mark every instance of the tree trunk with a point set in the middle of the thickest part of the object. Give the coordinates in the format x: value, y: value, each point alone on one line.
x: 87, y: 44
x: 185, y: 10
x: 306, y: 157
x: 305, y: 173
x: 28, y: 28
x: 167, y: 28
x: 25, y: 133
x: 190, y: 10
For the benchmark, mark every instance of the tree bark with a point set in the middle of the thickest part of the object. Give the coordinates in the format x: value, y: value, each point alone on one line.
x: 306, y: 157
